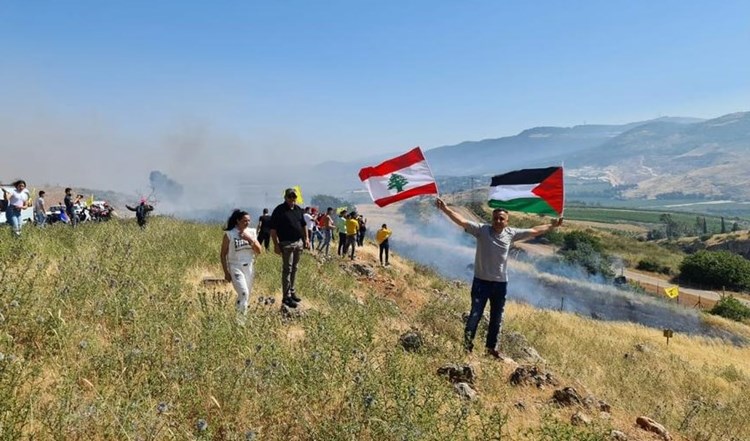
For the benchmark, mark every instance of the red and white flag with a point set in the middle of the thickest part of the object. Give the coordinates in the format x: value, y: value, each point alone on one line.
x: 399, y: 178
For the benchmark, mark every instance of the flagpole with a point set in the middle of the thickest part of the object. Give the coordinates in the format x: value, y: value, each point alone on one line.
x: 562, y: 168
x: 430, y: 169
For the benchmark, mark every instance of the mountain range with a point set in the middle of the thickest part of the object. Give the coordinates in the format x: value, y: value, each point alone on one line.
x: 689, y: 157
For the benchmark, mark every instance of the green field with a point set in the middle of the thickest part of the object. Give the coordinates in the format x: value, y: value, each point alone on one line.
x: 646, y: 217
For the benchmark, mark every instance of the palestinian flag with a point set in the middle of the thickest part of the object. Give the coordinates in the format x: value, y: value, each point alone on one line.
x: 532, y: 190
x: 399, y: 178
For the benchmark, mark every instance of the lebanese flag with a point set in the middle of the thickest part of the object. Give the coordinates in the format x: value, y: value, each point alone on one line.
x: 532, y: 190
x: 399, y: 178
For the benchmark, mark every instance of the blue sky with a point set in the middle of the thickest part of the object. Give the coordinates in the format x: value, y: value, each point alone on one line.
x: 327, y: 80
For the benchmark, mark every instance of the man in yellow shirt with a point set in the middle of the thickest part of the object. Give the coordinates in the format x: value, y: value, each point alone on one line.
x: 352, y: 228
x: 381, y: 237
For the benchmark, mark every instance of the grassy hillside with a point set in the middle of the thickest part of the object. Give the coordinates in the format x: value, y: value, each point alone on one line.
x: 106, y: 332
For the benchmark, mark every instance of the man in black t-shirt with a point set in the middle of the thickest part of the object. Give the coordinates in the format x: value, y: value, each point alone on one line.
x: 70, y: 206
x: 264, y: 229
x: 289, y: 236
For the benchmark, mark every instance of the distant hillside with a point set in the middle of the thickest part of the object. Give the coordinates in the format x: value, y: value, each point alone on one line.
x: 539, y: 144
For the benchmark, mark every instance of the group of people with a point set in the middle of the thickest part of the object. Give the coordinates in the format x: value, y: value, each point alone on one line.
x: 288, y: 229
x: 19, y: 198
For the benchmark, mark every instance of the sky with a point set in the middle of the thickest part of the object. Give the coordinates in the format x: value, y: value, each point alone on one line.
x: 99, y: 93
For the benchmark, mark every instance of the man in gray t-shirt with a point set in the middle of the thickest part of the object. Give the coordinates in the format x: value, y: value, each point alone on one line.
x: 491, y: 269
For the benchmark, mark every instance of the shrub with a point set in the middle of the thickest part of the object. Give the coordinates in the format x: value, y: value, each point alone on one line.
x: 731, y: 308
x: 717, y: 269
x: 652, y: 265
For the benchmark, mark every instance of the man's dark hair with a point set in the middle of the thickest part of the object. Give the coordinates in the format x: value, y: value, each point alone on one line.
x: 265, y: 211
x: 68, y: 189
x: 499, y: 210
x: 41, y: 193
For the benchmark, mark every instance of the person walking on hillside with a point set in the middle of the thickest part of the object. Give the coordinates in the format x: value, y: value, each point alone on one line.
x: 381, y: 237
x: 326, y: 225
x: 15, y: 201
x: 238, y: 249
x: 289, y: 236
x: 40, y: 210
x: 264, y: 229
x: 341, y: 228
x: 352, y: 228
x: 491, y: 269
x: 70, y: 204
x: 141, y: 212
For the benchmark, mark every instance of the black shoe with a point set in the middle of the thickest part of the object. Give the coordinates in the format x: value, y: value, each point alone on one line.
x: 295, y: 298
x: 494, y: 353
x: 289, y: 302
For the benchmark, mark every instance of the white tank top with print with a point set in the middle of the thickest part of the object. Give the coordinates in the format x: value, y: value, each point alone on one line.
x: 240, y: 250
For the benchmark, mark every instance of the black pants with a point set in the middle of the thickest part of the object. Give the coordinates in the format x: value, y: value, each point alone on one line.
x: 481, y: 292
x: 264, y: 239
x: 361, y: 236
x: 384, y: 247
x: 342, y: 243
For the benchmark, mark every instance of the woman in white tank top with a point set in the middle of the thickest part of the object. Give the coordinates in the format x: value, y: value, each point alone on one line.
x: 238, y: 249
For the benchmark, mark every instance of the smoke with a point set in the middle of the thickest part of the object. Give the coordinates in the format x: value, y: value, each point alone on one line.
x: 439, y: 243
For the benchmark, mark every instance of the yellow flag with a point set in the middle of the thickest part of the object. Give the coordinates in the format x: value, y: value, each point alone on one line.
x: 672, y: 291
x: 298, y: 190
x: 90, y: 201
x: 340, y: 209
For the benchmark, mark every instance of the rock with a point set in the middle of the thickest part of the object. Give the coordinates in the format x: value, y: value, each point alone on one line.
x: 518, y: 347
x: 642, y: 347
x: 616, y: 435
x: 411, y: 341
x: 465, y: 391
x: 580, y: 419
x: 458, y: 373
x: 525, y: 375
x: 566, y: 396
x: 604, y: 406
x: 650, y: 425
x: 363, y: 270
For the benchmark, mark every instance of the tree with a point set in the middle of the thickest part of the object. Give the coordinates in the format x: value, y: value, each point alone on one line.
x: 323, y: 201
x: 723, y: 226
x: 735, y: 227
x: 717, y: 269
x: 398, y: 182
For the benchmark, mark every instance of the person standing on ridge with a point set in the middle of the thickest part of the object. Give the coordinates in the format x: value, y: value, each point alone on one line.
x: 238, y: 250
x: 40, y: 210
x: 326, y: 225
x: 70, y: 204
x: 491, y: 269
x: 352, y: 228
x: 381, y: 237
x: 289, y: 236
x: 341, y: 228
x: 264, y: 229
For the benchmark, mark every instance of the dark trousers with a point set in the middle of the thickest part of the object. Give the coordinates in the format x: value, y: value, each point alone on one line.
x: 481, y: 292
x: 384, y: 247
x: 264, y: 239
x: 361, y: 237
x: 342, y: 243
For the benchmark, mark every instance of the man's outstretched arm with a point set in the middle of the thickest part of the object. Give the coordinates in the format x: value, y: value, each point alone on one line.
x: 541, y: 229
x: 455, y: 217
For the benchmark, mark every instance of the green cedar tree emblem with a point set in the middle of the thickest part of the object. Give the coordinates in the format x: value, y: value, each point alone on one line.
x: 398, y: 182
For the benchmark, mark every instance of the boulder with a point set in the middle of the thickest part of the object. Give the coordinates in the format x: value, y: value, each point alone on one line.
x: 411, y: 341
x: 566, y: 396
x: 465, y: 391
x: 616, y: 435
x: 650, y: 425
x: 526, y: 375
x: 580, y: 419
x: 458, y: 373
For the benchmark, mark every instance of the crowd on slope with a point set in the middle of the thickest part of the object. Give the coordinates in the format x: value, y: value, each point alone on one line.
x: 72, y: 210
